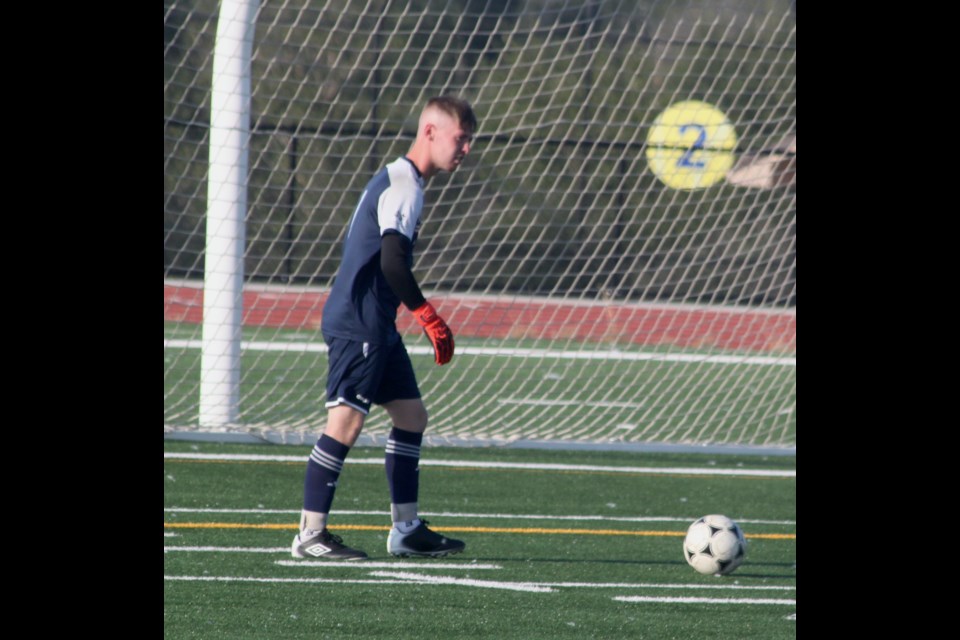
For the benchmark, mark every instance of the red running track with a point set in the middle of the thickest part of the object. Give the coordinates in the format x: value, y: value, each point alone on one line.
x: 474, y: 316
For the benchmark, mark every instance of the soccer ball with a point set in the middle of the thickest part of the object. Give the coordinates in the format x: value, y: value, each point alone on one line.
x: 714, y: 545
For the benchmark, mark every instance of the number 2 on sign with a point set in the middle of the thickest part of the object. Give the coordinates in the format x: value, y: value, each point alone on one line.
x: 685, y: 160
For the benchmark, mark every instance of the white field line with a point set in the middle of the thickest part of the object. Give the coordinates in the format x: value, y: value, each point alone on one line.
x: 704, y: 600
x: 319, y: 347
x: 499, y: 516
x: 403, y: 577
x: 569, y: 403
x: 365, y: 564
x: 420, y: 578
x: 647, y: 585
x: 170, y: 535
x: 281, y: 580
x: 168, y: 549
x: 473, y: 464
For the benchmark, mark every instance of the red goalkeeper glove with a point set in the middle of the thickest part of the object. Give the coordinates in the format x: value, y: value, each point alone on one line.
x: 437, y: 330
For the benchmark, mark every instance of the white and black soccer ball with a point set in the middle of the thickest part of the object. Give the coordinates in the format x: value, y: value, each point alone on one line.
x: 714, y: 545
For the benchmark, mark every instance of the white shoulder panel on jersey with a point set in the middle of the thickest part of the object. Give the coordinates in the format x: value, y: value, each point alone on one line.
x: 400, y: 204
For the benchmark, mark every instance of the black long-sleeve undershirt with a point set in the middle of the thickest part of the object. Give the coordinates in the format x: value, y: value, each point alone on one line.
x: 395, y: 257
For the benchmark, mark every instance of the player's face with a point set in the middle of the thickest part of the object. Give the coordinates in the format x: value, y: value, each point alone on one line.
x: 451, y: 143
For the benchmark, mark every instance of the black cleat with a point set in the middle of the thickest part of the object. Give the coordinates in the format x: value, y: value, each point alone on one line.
x: 421, y: 543
x: 324, y: 545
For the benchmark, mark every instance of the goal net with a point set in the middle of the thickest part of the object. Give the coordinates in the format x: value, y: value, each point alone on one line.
x: 616, y: 257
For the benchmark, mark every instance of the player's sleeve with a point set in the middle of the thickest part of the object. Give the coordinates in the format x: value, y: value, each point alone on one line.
x: 399, y: 208
x: 396, y: 255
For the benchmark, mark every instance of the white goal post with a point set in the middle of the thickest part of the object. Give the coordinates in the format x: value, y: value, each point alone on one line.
x: 616, y: 258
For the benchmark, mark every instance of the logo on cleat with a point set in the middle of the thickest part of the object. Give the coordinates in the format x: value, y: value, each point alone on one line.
x: 317, y: 550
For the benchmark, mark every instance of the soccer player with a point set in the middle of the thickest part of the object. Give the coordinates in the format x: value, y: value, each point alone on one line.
x: 368, y: 363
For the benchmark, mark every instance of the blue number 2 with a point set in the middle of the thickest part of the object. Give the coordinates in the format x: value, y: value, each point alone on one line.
x: 685, y: 160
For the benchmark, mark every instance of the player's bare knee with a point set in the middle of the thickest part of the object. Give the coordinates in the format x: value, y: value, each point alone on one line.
x: 344, y: 424
x: 409, y: 415
x: 415, y: 421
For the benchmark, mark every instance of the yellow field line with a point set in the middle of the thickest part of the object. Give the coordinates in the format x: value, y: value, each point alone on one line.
x: 526, y: 530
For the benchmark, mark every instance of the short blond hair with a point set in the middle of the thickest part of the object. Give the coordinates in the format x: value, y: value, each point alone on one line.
x: 456, y: 108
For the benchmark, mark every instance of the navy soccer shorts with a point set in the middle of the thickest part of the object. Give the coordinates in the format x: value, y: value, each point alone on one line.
x: 361, y: 374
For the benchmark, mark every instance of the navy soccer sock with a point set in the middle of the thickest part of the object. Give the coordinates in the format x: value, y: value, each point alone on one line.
x: 402, y: 462
x: 323, y: 471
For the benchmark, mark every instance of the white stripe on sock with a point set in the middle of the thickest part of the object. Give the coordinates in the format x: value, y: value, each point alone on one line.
x: 324, y: 459
x: 401, y: 449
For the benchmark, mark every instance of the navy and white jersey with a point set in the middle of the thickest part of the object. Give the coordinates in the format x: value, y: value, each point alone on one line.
x: 361, y: 305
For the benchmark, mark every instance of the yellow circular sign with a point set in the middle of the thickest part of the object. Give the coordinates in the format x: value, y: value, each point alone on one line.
x: 690, y: 145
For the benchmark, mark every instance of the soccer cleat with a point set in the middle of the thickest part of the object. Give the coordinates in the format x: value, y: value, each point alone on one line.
x: 324, y: 545
x: 421, y: 543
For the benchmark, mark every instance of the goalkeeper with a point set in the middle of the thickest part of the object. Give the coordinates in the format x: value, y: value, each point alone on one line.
x: 368, y: 363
